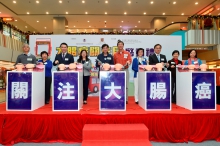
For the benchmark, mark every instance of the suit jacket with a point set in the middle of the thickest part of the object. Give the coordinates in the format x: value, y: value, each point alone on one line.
x: 173, y: 70
x: 154, y: 60
x: 67, y: 59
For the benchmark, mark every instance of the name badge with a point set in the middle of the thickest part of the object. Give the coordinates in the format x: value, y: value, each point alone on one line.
x: 104, y: 58
x: 162, y: 59
x: 109, y: 58
x: 29, y: 59
x: 45, y: 63
x: 66, y: 59
x: 195, y: 62
x: 125, y: 55
x: 173, y: 63
x: 87, y: 62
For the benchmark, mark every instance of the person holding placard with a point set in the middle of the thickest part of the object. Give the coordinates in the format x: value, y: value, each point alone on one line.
x: 64, y: 57
x: 192, y: 58
x: 87, y: 66
x: 26, y: 57
x: 124, y: 58
x: 173, y: 63
x: 48, y: 75
x: 139, y: 60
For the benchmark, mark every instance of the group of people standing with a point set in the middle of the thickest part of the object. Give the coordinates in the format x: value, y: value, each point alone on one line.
x: 120, y: 57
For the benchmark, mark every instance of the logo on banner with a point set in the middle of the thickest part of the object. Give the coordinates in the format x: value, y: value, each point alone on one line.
x: 158, y: 90
x: 19, y: 90
x: 203, y: 91
x: 112, y: 92
x: 66, y: 90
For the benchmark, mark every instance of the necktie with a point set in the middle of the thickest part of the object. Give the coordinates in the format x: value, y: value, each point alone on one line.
x: 158, y: 57
x: 63, y: 56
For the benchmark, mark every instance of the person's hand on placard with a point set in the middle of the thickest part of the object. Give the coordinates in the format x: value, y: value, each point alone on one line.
x: 167, y: 65
x: 56, y: 62
x: 40, y: 63
x: 128, y: 62
x: 172, y: 66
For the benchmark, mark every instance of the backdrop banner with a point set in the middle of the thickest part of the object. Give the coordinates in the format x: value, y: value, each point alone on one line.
x: 93, y: 43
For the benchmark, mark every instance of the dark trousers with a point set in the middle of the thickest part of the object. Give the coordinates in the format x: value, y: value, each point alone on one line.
x: 173, y: 80
x: 85, y: 87
x: 47, y: 88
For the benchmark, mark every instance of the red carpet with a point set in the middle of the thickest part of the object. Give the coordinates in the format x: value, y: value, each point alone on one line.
x: 43, y: 125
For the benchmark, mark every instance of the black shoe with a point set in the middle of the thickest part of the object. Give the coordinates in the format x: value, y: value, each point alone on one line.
x: 126, y: 102
x: 47, y: 102
x: 136, y: 102
x: 84, y: 102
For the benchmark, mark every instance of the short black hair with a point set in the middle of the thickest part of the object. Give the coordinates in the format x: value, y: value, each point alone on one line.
x: 175, y: 51
x: 119, y: 41
x: 157, y: 45
x: 64, y: 44
x: 139, y: 49
x: 105, y: 45
x: 43, y: 52
x: 191, y: 51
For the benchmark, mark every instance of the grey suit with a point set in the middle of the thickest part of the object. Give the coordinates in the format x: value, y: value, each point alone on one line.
x: 87, y: 66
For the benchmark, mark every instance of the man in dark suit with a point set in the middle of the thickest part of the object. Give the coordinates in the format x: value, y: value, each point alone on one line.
x: 157, y: 57
x: 63, y: 57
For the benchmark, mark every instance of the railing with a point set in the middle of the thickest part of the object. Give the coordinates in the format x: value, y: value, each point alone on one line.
x: 10, y: 43
x: 170, y: 28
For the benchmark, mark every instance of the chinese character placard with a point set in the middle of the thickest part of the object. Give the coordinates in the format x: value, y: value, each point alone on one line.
x: 203, y: 90
x: 19, y: 91
x: 113, y: 90
x: 158, y: 90
x: 65, y: 91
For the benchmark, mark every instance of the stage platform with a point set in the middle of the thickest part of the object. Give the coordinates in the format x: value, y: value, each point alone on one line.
x: 43, y: 125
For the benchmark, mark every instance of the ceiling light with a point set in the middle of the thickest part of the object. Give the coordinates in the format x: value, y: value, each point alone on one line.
x: 172, y: 22
x: 106, y: 2
x: 25, y: 26
x: 14, y: 2
x: 125, y: 13
x: 129, y: 2
x: 37, y: 2
x: 105, y: 26
x: 163, y: 13
x: 122, y: 21
x: 86, y: 12
x: 47, y: 12
x: 105, y: 21
x: 135, y: 26
x: 182, y: 14
x: 15, y: 26
x: 28, y: 13
x: 67, y: 13
x: 45, y: 27
x: 74, y: 26
x: 196, y: 3
x: 89, y: 26
x: 83, y: 1
x: 37, y: 21
x: 151, y: 2
x: 174, y: 3
x: 145, y: 13
x: 0, y: 12
x: 60, y: 1
x: 120, y: 26
x: 139, y: 21
x: 16, y: 20
x: 87, y: 21
x: 106, y: 13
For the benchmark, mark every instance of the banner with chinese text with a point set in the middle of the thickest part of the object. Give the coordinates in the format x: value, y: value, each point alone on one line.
x: 19, y: 90
x: 65, y: 91
x: 113, y: 90
x: 158, y: 92
x: 203, y: 91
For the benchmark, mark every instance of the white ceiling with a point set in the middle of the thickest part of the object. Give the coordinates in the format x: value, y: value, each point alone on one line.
x: 96, y: 13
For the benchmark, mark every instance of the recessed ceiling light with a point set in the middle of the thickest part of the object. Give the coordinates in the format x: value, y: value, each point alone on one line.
x: 83, y: 1
x: 105, y: 21
x: 47, y: 12
x: 15, y: 19
x: 120, y: 26
x: 182, y: 14
x: 105, y: 26
x: 67, y: 13
x: 28, y: 13
x: 74, y: 26
x: 125, y: 13
x: 139, y: 21
x: 196, y: 3
x: 66, y: 26
x: 145, y: 13
x: 135, y: 26
x: 106, y: 13
x: 87, y: 21
x: 106, y: 2
x: 37, y: 21
x: 25, y: 26
x: 122, y: 21
x: 163, y: 13
x: 45, y: 27
x: 172, y: 22
x: 14, y: 2
x: 89, y: 26
x: 129, y: 2
x: 60, y: 1
x: 151, y: 2
x: 0, y: 12
x: 174, y: 3
x: 86, y: 12
x: 217, y: 9
x: 15, y: 26
x: 37, y: 2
